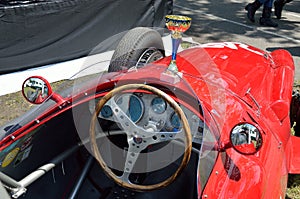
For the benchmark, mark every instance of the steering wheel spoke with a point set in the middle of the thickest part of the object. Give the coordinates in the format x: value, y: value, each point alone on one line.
x: 133, y: 153
x: 159, y: 137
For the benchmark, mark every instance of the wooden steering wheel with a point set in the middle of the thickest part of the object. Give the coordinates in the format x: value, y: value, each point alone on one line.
x: 146, y: 138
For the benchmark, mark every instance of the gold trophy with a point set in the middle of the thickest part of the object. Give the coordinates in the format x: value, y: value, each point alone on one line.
x: 177, y: 25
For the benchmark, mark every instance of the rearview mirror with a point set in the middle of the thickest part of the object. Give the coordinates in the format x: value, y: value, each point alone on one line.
x: 36, y: 89
x: 246, y: 138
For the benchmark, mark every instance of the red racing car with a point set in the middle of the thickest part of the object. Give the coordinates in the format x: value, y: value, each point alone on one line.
x: 217, y: 126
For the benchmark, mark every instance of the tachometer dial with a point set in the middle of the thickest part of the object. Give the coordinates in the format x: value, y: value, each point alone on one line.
x: 158, y: 105
x: 132, y: 105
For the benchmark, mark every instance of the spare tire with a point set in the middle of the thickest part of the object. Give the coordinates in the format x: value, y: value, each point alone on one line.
x: 139, y: 46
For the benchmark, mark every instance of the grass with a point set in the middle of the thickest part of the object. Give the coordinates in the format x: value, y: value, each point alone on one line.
x: 12, y: 106
x: 293, y: 190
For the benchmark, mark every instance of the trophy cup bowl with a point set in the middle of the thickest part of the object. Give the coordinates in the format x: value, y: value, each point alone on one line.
x: 178, y: 24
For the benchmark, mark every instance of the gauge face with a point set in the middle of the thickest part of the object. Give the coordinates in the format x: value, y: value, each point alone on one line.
x: 132, y: 106
x: 158, y: 105
x: 106, y: 111
x: 175, y: 121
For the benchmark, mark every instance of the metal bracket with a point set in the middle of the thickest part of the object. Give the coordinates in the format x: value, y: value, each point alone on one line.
x: 18, y: 192
x: 255, y: 102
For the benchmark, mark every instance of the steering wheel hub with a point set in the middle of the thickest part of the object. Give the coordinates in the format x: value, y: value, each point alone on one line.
x: 137, y: 140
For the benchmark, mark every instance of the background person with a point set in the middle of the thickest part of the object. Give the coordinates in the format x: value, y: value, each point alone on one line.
x: 265, y: 19
x: 278, y: 4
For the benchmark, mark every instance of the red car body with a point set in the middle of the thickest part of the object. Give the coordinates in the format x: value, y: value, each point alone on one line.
x: 235, y: 83
x: 258, y: 90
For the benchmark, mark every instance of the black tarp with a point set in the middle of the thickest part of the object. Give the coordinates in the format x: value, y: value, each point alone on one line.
x: 41, y: 32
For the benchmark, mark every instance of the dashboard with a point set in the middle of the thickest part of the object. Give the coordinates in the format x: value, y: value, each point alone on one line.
x: 150, y: 111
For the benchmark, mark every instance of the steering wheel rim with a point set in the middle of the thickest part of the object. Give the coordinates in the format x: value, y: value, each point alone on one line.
x: 185, y: 127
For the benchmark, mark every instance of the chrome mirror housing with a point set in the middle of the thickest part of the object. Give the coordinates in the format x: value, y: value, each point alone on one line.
x: 246, y: 138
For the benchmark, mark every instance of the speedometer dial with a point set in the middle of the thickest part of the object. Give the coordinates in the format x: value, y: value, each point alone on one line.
x: 158, y: 105
x: 132, y: 105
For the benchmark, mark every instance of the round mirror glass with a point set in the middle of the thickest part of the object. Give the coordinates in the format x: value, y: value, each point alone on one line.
x: 36, y: 90
x: 246, y: 138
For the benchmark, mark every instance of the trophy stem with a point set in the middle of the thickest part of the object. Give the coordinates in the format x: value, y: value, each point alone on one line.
x: 175, y: 45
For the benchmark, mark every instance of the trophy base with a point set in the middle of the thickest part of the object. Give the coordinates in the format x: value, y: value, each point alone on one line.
x: 170, y: 77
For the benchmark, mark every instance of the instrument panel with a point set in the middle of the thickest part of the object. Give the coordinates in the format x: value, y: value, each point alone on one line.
x: 149, y: 110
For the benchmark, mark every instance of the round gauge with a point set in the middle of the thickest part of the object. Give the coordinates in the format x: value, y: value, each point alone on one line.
x: 175, y: 121
x: 106, y: 111
x: 158, y: 105
x: 132, y: 105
